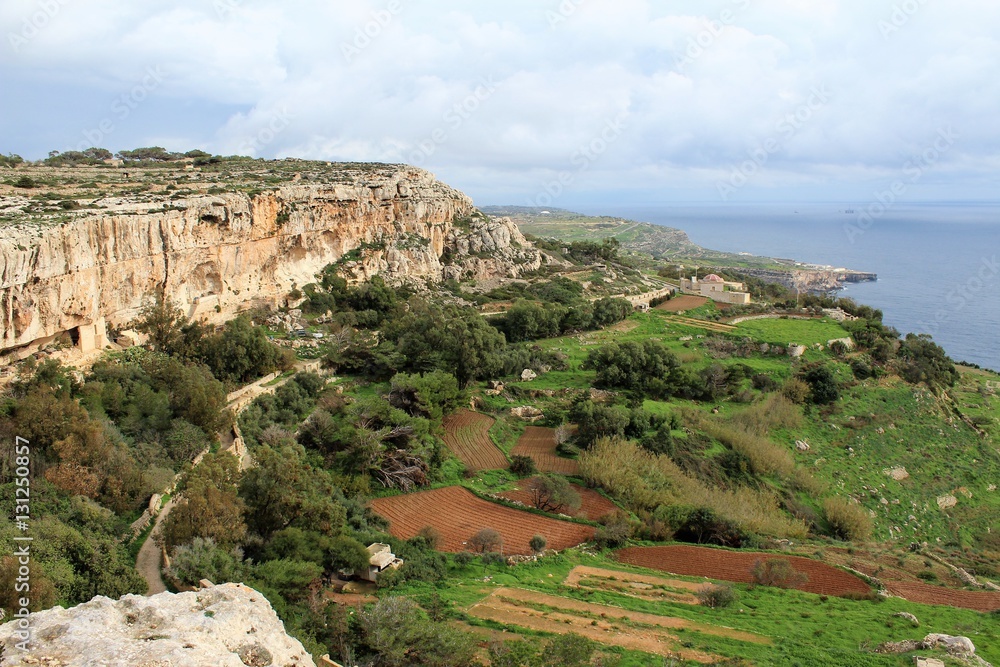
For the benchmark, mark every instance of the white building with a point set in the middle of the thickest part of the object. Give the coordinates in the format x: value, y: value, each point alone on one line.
x: 717, y: 289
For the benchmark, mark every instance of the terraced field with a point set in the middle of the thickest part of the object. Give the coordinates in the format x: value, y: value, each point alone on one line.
x: 608, y: 625
x: 540, y: 444
x: 737, y: 565
x: 457, y: 514
x: 467, y: 435
x: 593, y: 506
x: 634, y: 585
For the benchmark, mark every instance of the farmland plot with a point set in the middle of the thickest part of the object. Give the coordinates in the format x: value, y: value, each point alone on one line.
x: 457, y: 514
x: 467, y: 435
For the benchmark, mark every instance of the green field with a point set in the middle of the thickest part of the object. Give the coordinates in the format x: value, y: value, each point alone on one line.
x: 806, y: 629
x: 780, y: 331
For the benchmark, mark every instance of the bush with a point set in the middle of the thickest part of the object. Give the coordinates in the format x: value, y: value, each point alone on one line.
x: 463, y: 558
x: 716, y: 597
x: 493, y: 558
x: 537, y: 544
x: 25, y: 182
x: 522, y: 466
x: 615, y: 531
x: 777, y: 572
x: 848, y: 521
x: 796, y: 391
x: 822, y: 385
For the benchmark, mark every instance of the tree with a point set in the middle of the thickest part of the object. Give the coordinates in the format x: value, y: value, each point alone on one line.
x: 552, y: 493
x: 716, y: 597
x: 456, y: 340
x: 925, y: 361
x: 162, y: 320
x: 777, y: 572
x: 522, y: 466
x: 430, y: 395
x: 209, y: 505
x: 204, y: 559
x: 610, y: 310
x: 395, y: 634
x: 485, y: 540
x: 241, y: 353
x: 647, y: 367
x: 287, y: 488
x: 537, y: 544
x: 822, y: 384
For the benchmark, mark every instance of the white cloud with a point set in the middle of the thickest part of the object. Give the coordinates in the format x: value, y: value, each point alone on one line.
x: 698, y: 84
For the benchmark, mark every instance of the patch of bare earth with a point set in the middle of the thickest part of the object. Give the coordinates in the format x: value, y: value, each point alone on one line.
x: 602, y: 623
x: 634, y: 585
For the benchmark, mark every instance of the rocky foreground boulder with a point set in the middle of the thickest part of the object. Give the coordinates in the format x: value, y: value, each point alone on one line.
x: 229, y: 625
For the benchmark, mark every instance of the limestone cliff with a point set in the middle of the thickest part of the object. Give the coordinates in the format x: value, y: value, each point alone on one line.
x: 215, y: 254
x: 229, y: 625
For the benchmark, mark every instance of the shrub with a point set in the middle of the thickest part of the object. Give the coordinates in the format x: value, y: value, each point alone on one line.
x: 522, y: 466
x: 431, y: 536
x: 493, y: 558
x: 615, y: 531
x: 25, y: 182
x: 796, y: 391
x: 716, y: 597
x: 822, y: 385
x: 848, y: 521
x: 463, y: 558
x: 537, y: 544
x: 777, y: 572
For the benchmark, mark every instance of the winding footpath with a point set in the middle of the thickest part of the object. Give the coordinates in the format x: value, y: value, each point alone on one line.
x: 149, y: 562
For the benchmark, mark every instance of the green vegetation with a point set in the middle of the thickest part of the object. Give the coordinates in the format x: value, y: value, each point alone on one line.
x: 698, y: 432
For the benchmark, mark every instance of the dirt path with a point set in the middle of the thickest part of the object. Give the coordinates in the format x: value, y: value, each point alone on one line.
x: 148, y: 562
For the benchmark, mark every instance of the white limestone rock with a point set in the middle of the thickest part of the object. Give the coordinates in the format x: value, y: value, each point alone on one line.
x: 229, y: 625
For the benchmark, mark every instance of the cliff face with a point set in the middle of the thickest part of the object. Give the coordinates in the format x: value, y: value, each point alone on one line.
x: 215, y: 254
x: 229, y: 625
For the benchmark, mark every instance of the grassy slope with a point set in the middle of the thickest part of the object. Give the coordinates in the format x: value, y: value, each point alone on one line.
x: 910, y: 428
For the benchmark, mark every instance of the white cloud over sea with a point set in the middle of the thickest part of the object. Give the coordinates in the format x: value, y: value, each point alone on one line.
x: 587, y: 100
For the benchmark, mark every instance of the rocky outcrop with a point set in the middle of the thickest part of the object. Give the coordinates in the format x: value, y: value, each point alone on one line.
x: 229, y: 625
x: 815, y: 281
x: 217, y: 254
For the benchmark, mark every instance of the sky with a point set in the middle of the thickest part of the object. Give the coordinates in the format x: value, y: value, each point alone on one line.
x: 533, y: 102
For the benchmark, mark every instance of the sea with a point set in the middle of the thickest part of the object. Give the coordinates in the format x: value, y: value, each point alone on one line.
x: 937, y: 263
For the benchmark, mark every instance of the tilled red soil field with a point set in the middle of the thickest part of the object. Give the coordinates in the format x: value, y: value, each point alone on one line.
x: 467, y: 435
x: 540, y: 444
x: 458, y: 515
x: 593, y: 505
x: 914, y: 591
x: 682, y: 303
x: 736, y: 566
